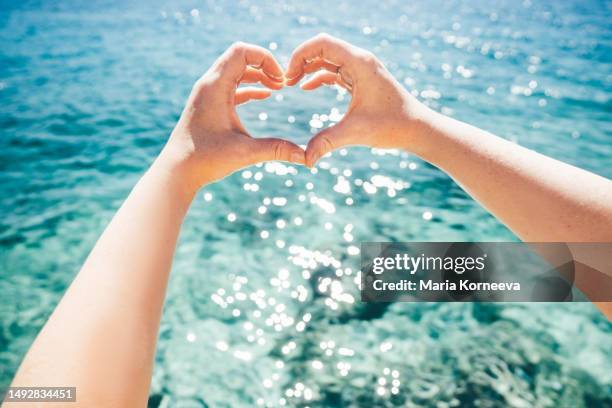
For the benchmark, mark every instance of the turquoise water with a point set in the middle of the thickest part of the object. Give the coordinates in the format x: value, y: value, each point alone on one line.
x: 261, y: 304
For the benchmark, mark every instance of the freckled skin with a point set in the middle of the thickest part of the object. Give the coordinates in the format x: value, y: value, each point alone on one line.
x: 527, y: 191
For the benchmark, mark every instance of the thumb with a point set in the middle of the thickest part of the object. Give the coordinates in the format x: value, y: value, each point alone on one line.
x: 327, y: 140
x: 267, y: 149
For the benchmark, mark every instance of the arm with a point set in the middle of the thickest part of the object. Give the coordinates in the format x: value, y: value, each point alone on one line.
x: 537, y: 197
x: 519, y: 185
x: 101, y: 337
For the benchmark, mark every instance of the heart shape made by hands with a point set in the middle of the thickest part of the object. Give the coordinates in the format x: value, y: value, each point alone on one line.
x: 379, y: 108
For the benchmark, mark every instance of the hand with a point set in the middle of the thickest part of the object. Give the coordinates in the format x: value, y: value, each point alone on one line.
x: 381, y: 113
x: 209, y: 142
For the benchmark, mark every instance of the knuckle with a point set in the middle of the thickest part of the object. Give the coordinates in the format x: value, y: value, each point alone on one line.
x: 281, y: 147
x: 238, y: 47
x: 266, y: 52
x: 323, y: 37
x: 328, y: 146
x: 201, y: 84
x: 267, y: 55
x: 369, y: 58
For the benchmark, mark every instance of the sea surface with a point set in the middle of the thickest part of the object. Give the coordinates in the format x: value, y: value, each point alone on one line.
x: 262, y: 307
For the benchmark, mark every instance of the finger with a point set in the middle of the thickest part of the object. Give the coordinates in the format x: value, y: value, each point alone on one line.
x: 266, y: 149
x: 322, y: 78
x: 246, y: 94
x: 239, y: 56
x: 322, y: 46
x: 253, y: 75
x: 319, y: 64
x: 263, y: 59
x: 314, y: 66
x: 328, y: 140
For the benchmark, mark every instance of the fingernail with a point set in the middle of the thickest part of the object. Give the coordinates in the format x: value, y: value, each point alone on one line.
x: 290, y: 81
x: 276, y: 78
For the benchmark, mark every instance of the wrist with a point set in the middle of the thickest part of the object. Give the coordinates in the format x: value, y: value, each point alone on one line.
x: 417, y: 126
x: 174, y: 167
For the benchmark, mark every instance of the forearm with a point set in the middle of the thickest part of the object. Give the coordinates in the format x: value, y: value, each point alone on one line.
x: 518, y: 185
x: 539, y: 198
x: 102, y: 336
